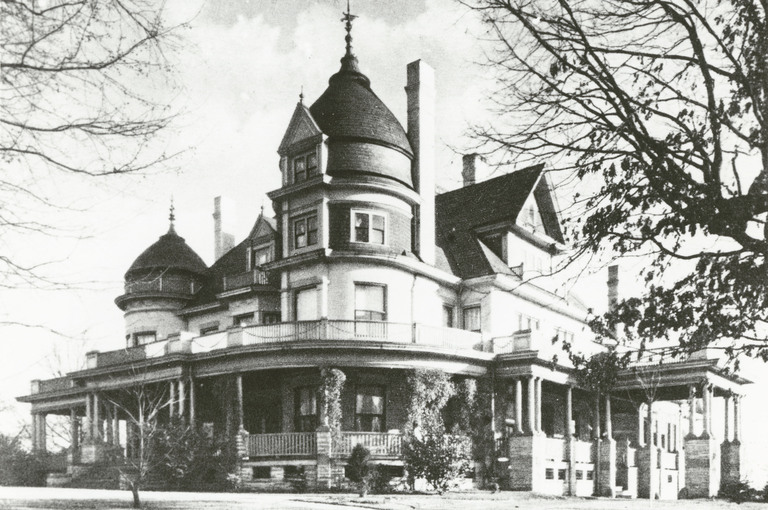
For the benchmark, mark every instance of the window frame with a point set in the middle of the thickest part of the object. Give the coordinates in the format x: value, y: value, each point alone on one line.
x: 296, y: 292
x: 371, y: 213
x: 304, y: 219
x: 208, y: 329
x: 359, y: 416
x: 140, y: 334
x: 383, y: 313
x: 449, y: 312
x: 236, y: 319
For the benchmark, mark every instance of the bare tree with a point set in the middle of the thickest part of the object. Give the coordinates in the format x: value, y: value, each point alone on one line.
x: 78, y: 100
x: 660, y: 107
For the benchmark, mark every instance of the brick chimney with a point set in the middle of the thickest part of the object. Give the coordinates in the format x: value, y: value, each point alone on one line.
x: 613, y: 287
x: 223, y: 223
x: 474, y: 169
x: 420, y: 91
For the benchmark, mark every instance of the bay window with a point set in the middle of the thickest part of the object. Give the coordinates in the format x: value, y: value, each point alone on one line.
x: 368, y: 227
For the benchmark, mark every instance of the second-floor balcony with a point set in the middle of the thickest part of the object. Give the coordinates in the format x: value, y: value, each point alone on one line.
x: 323, y: 330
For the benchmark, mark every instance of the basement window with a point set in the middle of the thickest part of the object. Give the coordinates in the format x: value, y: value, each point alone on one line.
x: 549, y: 474
x: 579, y: 474
x: 590, y: 475
x: 561, y: 474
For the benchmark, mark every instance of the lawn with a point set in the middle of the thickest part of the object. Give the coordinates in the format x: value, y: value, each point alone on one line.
x: 46, y: 498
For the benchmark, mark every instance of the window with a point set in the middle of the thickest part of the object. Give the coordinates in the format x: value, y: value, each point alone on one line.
x: 145, y: 337
x: 590, y: 475
x: 261, y: 256
x: 370, y: 302
x: 242, y: 320
x: 448, y: 316
x: 304, y: 167
x: 471, y: 318
x: 369, y: 409
x: 306, y: 304
x: 305, y: 417
x: 305, y: 231
x: 561, y: 474
x: 579, y: 474
x: 270, y: 317
x: 368, y: 227
x: 549, y: 474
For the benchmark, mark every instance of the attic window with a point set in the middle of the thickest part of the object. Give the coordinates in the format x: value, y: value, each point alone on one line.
x: 260, y: 256
x: 304, y: 166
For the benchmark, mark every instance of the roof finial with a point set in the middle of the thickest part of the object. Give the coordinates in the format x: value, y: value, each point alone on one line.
x: 348, y: 18
x: 301, y: 95
x: 172, y: 216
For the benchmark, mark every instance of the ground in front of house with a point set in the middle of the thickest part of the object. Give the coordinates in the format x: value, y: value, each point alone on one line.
x: 54, y: 499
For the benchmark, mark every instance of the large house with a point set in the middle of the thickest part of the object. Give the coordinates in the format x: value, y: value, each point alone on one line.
x: 365, y: 269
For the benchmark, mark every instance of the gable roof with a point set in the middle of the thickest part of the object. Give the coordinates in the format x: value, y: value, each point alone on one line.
x: 461, y: 212
x: 301, y: 127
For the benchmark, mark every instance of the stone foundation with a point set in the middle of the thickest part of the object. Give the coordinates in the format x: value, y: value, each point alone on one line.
x: 730, y: 462
x: 702, y: 467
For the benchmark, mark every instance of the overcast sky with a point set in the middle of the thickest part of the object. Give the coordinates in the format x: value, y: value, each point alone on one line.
x: 240, y: 69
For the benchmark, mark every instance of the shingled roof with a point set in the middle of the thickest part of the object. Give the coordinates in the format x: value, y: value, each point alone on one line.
x: 461, y: 212
x: 168, y: 252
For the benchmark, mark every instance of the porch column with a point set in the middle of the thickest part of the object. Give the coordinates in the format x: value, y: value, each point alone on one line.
x: 570, y: 440
x: 182, y: 398
x: 532, y: 405
x: 608, y: 423
x: 726, y: 417
x: 608, y: 454
x: 42, y: 441
x: 539, y: 398
x: 691, y: 410
x: 737, y: 419
x: 239, y: 380
x: 519, y: 406
x: 707, y: 397
x: 596, y: 419
x: 116, y: 425
x: 35, y: 432
x: 640, y: 427
x: 74, y: 443
x: 88, y: 417
x: 171, y: 399
x: 109, y: 417
x: 96, y: 425
x: 653, y: 452
x: 191, y: 401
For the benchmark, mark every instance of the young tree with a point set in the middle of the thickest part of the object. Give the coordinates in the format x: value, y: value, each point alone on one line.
x: 660, y: 107
x: 79, y: 99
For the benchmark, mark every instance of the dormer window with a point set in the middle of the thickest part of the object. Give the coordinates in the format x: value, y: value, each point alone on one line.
x: 261, y: 255
x: 369, y: 227
x: 304, y: 167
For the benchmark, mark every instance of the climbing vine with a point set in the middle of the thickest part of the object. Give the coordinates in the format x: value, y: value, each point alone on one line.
x: 331, y: 385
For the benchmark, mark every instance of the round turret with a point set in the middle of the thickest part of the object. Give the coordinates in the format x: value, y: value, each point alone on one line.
x: 364, y: 137
x: 162, y: 280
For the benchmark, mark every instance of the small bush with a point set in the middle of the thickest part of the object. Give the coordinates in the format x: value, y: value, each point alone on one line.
x: 18, y: 467
x: 738, y: 492
x: 359, y: 467
x: 438, y: 458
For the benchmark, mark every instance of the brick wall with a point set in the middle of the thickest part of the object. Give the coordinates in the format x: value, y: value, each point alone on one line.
x: 398, y: 234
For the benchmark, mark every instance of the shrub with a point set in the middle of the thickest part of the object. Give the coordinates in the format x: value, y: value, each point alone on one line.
x: 18, y: 467
x: 439, y: 459
x: 359, y: 467
x: 738, y: 492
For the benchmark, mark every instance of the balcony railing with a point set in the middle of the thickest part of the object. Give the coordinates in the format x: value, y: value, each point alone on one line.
x: 380, y: 444
x: 170, y: 284
x: 289, y: 444
x: 289, y: 332
x: 255, y: 277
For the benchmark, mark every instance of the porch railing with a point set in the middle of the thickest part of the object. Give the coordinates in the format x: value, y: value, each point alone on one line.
x: 289, y: 444
x: 255, y: 277
x: 299, y: 331
x: 380, y: 444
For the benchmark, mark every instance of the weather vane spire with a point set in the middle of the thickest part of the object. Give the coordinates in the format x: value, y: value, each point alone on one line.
x: 348, y: 18
x: 172, y: 215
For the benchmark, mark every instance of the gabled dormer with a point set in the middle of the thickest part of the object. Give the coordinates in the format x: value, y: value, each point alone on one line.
x: 263, y: 243
x: 302, y: 156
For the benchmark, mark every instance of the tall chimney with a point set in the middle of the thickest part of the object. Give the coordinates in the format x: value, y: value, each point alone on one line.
x: 223, y: 221
x: 474, y: 169
x: 421, y: 133
x: 613, y: 287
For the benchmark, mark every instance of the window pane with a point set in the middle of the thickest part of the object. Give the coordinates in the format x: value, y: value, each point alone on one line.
x: 369, y: 297
x: 307, y: 401
x: 472, y: 318
x: 311, y: 230
x: 377, y: 229
x: 311, y: 164
x: 306, y: 304
x: 299, y: 173
x: 361, y: 227
x: 300, y: 233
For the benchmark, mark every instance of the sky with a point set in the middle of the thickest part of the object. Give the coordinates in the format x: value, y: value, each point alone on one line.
x: 239, y: 69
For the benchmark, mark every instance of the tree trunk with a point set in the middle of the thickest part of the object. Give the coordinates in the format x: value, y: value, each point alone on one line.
x: 135, y: 492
